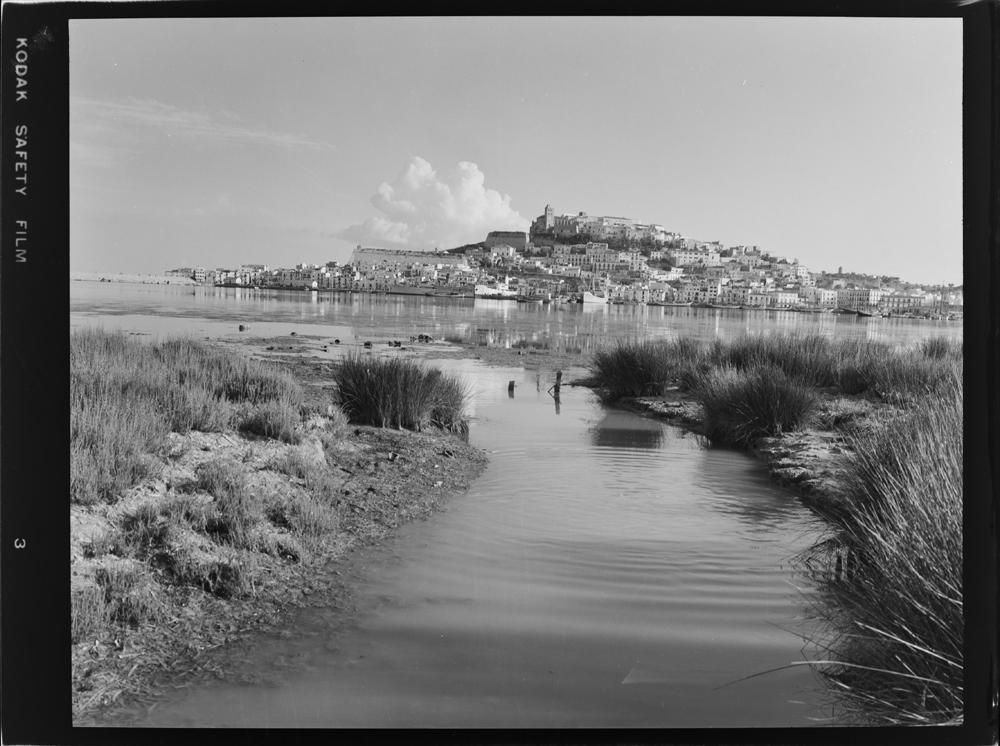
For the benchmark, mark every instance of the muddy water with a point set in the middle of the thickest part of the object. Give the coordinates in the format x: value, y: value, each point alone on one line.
x: 606, y: 571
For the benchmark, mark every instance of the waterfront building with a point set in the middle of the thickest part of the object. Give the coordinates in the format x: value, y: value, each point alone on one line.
x: 898, y: 303
x: 782, y: 298
x: 858, y: 297
x: 735, y: 294
x: 823, y: 297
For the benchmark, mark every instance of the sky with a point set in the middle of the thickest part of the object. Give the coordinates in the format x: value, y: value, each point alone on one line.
x: 216, y: 142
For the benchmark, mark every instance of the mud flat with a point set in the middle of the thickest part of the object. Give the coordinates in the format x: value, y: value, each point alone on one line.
x: 131, y: 278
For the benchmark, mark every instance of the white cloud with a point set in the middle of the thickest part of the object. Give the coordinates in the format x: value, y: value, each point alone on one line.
x: 92, y: 115
x: 423, y: 210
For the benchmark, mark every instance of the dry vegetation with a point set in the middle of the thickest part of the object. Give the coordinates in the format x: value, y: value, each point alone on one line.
x: 206, y: 487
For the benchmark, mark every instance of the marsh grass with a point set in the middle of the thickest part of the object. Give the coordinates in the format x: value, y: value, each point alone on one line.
x: 170, y: 534
x: 895, y: 623
x: 127, y: 395
x: 741, y: 406
x: 941, y: 347
x: 642, y: 368
x: 310, y: 514
x: 810, y: 359
x: 226, y: 574
x: 308, y: 517
x: 112, y: 439
x: 400, y: 394
x: 236, y: 511
x: 130, y: 595
x: 90, y: 614
x: 277, y: 418
x: 294, y: 463
x: 851, y: 366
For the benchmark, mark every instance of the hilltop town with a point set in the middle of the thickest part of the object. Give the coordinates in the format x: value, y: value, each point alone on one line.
x: 601, y: 259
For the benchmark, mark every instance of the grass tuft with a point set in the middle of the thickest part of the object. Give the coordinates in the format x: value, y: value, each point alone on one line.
x: 90, y: 614
x: 643, y: 368
x: 741, y: 406
x: 236, y: 511
x: 277, y: 419
x: 400, y: 394
x: 129, y: 593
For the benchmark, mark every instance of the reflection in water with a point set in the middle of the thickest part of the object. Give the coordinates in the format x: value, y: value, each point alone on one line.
x: 165, y: 309
x: 718, y: 477
x: 618, y: 429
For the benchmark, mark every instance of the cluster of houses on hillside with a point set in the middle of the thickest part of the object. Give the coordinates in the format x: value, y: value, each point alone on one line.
x: 614, y: 259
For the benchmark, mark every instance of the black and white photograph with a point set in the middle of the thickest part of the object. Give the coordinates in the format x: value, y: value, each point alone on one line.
x: 536, y: 372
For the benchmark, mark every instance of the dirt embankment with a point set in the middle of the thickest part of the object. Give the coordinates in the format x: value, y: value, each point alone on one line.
x: 178, y: 588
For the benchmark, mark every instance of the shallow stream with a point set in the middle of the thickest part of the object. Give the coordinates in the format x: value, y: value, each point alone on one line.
x: 606, y: 571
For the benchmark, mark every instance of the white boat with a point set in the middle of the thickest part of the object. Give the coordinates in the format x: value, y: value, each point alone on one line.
x: 589, y: 297
x: 500, y: 291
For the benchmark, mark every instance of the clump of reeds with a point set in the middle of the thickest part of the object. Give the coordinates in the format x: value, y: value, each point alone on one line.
x: 741, y: 406
x: 809, y: 358
x: 895, y: 615
x: 642, y: 368
x: 127, y: 395
x: 401, y: 394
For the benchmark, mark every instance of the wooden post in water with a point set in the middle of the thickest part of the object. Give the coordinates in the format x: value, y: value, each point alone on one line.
x: 510, y: 389
x: 554, y: 389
